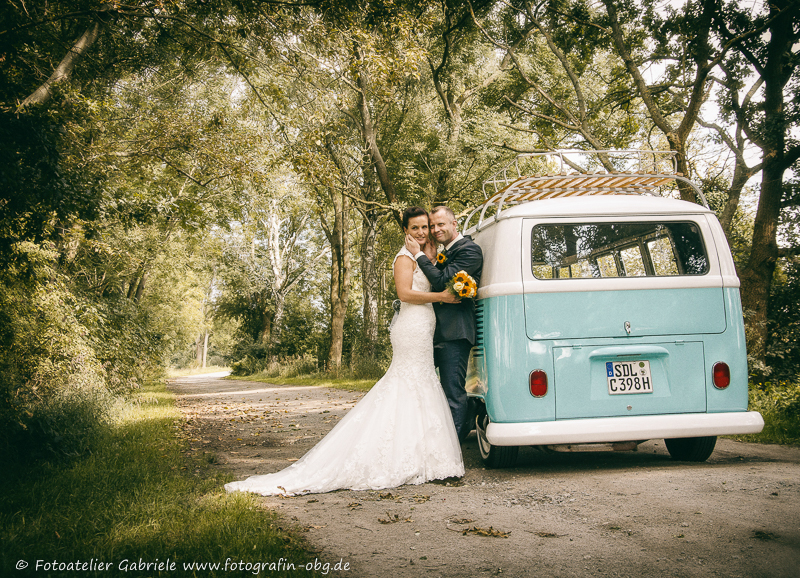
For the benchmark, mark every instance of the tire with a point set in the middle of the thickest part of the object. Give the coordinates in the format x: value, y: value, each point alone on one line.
x: 493, y: 456
x: 691, y: 449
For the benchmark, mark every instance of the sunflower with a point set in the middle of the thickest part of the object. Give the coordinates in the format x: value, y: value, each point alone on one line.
x: 463, y: 285
x: 440, y: 258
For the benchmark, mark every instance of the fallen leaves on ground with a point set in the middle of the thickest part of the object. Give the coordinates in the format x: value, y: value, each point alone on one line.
x: 392, y: 518
x: 312, y: 527
x: 488, y: 532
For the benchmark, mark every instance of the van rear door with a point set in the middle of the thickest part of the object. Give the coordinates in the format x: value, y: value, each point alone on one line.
x: 621, y: 300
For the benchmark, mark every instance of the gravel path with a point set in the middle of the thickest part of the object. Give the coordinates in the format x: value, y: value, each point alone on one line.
x: 636, y: 514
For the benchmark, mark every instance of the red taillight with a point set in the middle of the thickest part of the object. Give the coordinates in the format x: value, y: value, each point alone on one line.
x: 722, y: 375
x: 538, y: 383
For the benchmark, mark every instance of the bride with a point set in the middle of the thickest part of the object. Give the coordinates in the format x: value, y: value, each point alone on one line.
x: 401, y: 432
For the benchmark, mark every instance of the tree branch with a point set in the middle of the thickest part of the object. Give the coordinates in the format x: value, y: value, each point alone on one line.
x: 790, y: 157
x: 64, y: 69
x: 788, y: 251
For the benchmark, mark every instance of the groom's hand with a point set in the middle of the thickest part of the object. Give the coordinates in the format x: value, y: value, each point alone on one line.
x: 412, y: 245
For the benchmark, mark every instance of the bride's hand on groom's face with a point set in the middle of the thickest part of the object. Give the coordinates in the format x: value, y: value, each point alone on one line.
x: 412, y: 245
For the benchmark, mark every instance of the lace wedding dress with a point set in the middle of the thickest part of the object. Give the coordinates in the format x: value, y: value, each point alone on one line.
x: 401, y: 432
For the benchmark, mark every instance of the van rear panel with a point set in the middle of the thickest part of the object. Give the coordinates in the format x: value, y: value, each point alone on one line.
x: 680, y: 369
x: 636, y: 313
x: 629, y: 379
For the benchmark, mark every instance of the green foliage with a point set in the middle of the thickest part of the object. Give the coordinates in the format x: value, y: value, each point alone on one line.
x: 302, y: 335
x: 783, y: 346
x: 36, y: 188
x: 53, y: 391
x: 140, y: 494
x: 778, y: 402
x: 289, y: 367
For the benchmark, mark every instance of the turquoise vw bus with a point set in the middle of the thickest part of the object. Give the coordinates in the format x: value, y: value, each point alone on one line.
x: 608, y: 312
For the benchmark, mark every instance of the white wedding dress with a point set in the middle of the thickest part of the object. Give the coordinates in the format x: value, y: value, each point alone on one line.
x: 401, y: 432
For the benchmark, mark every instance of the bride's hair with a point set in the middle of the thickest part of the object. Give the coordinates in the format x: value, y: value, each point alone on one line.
x: 412, y: 212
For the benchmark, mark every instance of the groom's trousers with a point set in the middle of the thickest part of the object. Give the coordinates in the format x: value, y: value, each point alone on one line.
x: 451, y: 357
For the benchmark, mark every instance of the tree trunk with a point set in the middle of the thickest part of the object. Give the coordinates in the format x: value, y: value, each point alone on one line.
x: 265, y: 334
x: 205, y: 349
x: 340, y: 277
x: 369, y: 284
x: 741, y: 174
x: 140, y: 287
x: 757, y: 275
x: 369, y: 133
x: 277, y: 320
x: 678, y: 144
x: 198, y: 349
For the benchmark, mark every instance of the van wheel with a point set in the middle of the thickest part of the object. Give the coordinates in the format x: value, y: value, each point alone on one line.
x: 691, y: 449
x: 493, y: 456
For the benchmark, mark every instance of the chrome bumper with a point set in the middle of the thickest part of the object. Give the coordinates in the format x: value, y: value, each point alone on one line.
x: 617, y: 429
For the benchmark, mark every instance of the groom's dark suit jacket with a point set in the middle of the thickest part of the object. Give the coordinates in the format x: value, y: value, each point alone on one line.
x: 454, y: 320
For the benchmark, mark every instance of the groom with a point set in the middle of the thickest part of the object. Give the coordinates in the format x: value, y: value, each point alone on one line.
x: 455, y: 323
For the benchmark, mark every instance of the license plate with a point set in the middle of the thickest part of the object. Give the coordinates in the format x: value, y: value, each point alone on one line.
x: 629, y: 377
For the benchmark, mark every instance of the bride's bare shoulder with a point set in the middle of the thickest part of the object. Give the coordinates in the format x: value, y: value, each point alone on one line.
x: 404, y: 256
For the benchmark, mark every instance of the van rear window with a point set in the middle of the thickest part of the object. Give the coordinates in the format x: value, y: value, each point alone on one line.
x: 595, y: 250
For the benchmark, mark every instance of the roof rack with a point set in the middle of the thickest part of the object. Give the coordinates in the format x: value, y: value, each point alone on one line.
x: 641, y: 172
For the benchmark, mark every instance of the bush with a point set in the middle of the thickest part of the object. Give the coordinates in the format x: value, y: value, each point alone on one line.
x: 783, y: 346
x: 46, y: 362
x: 247, y: 366
x: 368, y: 367
x: 63, y: 358
x: 779, y: 405
x: 290, y: 367
x: 68, y: 423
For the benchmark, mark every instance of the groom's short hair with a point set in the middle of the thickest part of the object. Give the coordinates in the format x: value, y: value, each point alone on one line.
x: 447, y: 210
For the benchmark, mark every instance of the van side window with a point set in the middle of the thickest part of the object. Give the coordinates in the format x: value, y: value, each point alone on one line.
x: 596, y: 250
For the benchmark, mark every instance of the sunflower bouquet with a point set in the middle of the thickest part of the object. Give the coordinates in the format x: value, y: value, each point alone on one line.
x: 463, y: 285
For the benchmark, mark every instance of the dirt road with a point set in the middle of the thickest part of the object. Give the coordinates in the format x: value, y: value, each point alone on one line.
x: 590, y: 514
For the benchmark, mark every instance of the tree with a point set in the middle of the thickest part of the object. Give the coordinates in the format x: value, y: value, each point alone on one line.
x: 566, y: 84
x: 767, y: 123
x: 268, y: 254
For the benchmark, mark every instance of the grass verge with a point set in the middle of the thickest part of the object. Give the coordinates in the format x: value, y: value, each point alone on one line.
x: 195, y: 371
x: 322, y: 380
x: 140, y: 498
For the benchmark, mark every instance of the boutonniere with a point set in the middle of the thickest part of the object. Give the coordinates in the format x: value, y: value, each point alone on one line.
x: 441, y: 258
